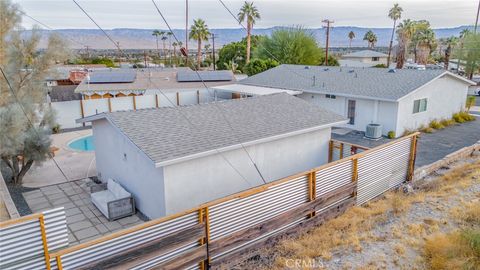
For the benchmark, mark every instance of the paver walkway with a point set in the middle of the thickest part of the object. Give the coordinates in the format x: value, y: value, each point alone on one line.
x: 84, y: 220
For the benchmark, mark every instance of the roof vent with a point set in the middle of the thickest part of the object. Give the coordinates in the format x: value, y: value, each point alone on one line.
x: 307, y: 67
x: 351, y: 71
x: 325, y: 69
x: 392, y: 70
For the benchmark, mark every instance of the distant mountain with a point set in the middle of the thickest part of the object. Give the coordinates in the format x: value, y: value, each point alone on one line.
x: 143, y: 39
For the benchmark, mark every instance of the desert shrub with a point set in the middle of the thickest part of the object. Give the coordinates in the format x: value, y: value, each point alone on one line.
x: 462, y: 117
x: 56, y: 129
x: 407, y: 132
x: 391, y: 134
x: 436, y: 125
x: 470, y: 102
x: 447, y: 122
x: 426, y: 129
x: 457, y: 250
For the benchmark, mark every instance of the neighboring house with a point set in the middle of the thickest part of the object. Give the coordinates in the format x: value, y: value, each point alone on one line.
x: 173, y: 159
x: 70, y: 74
x: 396, y: 99
x: 365, y: 58
x: 63, y: 93
x: 138, y: 82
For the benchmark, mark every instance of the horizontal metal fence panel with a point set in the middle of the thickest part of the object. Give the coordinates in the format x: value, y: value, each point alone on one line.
x: 56, y: 228
x: 331, y: 178
x: 165, y: 257
x: 116, y: 245
x: 240, y: 213
x: 381, y: 170
x: 21, y: 242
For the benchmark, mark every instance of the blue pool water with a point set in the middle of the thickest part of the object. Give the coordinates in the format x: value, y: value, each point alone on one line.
x: 83, y: 144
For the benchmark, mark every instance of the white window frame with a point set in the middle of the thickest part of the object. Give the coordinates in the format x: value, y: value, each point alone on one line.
x: 422, y: 105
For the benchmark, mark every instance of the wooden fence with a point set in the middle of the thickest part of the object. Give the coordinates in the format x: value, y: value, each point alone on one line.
x: 217, y: 232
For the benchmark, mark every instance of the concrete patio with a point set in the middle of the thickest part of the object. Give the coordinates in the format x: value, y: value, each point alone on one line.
x: 75, y: 165
x: 84, y: 220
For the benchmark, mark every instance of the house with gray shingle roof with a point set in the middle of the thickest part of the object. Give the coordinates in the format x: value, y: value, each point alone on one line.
x: 175, y: 158
x: 364, y: 58
x: 396, y: 99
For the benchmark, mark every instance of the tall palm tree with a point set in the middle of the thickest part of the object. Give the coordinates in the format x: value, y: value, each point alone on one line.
x: 250, y: 13
x: 425, y: 41
x: 405, y: 31
x: 371, y: 38
x: 450, y: 42
x: 199, y: 32
x: 174, y: 44
x: 395, y: 14
x: 463, y: 34
x: 169, y: 35
x: 351, y: 36
x: 156, y: 33
x: 164, y: 38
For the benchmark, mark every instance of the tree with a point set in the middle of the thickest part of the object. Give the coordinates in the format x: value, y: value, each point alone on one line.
x: 259, y: 65
x: 469, y: 53
x: 395, y: 14
x: 371, y: 38
x: 199, y: 32
x: 236, y: 52
x: 291, y: 46
x: 424, y: 41
x: 351, y: 36
x: 164, y: 38
x: 250, y: 13
x: 450, y: 42
x: 405, y: 31
x: 332, y: 61
x: 26, y: 120
x: 157, y: 33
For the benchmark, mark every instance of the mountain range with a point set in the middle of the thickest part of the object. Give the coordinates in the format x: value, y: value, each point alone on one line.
x: 143, y: 39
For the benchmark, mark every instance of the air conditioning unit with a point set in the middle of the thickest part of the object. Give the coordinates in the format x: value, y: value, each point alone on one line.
x: 373, y: 131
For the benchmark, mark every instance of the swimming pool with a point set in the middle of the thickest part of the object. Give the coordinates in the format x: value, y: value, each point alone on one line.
x: 83, y: 144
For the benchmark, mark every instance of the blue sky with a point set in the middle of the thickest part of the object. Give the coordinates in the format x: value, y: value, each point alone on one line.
x: 309, y: 13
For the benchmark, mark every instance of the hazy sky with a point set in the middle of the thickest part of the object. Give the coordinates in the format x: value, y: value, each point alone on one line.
x: 309, y: 13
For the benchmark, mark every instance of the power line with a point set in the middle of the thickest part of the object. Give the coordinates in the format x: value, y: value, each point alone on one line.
x: 28, y: 119
x: 168, y: 99
x: 216, y: 105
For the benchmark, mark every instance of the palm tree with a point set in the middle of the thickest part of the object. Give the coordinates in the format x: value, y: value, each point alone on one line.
x: 164, y: 38
x: 157, y: 33
x: 395, y: 14
x: 450, y: 42
x: 351, y: 36
x: 463, y: 34
x: 371, y: 38
x: 405, y: 31
x: 169, y: 35
x: 174, y: 44
x: 250, y: 13
x: 199, y: 31
x: 425, y: 39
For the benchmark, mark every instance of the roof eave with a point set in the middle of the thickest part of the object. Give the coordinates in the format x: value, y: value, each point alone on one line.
x: 237, y: 146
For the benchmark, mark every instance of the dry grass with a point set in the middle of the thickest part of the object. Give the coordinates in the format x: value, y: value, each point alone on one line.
x: 355, y: 226
x: 467, y: 212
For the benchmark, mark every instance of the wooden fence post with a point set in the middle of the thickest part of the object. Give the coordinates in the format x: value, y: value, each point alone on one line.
x: 178, y: 99
x: 134, y: 103
x: 82, y: 111
x: 311, y: 189
x: 341, y: 150
x: 44, y: 240
x: 198, y: 97
x: 156, y: 100
x: 330, y: 151
x: 109, y: 105
x: 355, y: 174
x: 413, y: 155
x: 207, y: 238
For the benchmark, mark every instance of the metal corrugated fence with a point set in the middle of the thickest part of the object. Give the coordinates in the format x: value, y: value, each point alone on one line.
x: 21, y: 244
x: 382, y: 170
x: 102, y: 250
x: 332, y: 178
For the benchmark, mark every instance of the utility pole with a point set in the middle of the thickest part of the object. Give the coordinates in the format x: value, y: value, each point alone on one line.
x: 328, y: 22
x: 213, y: 50
x: 88, y: 52
x: 186, y: 31
x: 476, y: 21
x: 118, y: 54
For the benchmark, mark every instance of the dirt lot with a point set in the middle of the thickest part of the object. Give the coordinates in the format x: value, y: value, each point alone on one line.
x: 437, y: 226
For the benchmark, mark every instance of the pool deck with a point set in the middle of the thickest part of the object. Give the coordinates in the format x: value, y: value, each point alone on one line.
x: 74, y: 165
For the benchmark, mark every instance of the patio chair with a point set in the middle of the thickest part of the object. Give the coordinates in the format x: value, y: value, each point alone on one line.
x: 112, y: 200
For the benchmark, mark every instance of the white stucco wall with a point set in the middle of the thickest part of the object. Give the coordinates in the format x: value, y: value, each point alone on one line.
x: 121, y: 103
x: 67, y: 112
x: 136, y: 173
x: 368, y: 60
x: 445, y: 96
x: 366, y: 111
x: 191, y: 183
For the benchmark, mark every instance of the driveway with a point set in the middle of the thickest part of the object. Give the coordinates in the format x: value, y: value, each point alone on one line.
x: 435, y: 146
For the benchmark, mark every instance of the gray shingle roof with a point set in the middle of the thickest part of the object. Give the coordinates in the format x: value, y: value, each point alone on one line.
x: 365, y: 53
x: 374, y: 83
x: 165, y: 135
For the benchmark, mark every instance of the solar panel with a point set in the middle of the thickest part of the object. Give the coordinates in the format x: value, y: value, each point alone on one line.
x: 208, y: 76
x: 112, y: 77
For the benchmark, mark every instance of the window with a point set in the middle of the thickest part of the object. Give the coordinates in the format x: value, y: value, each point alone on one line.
x: 420, y: 105
x: 330, y: 96
x: 375, y: 59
